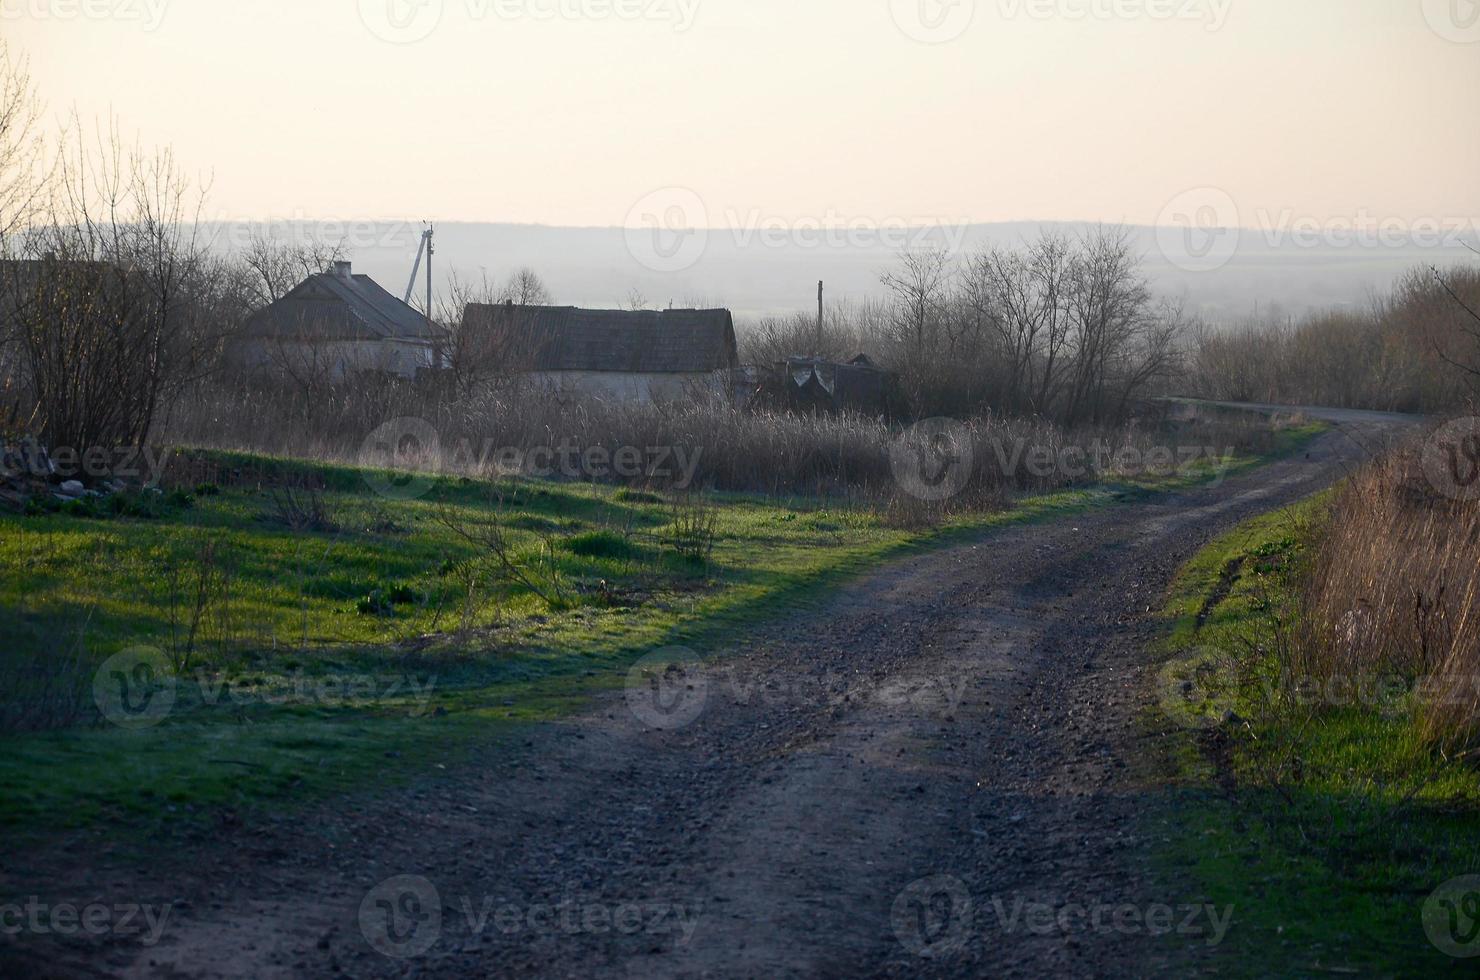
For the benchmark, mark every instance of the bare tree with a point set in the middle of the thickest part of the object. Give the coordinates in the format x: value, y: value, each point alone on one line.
x: 110, y: 311
x: 24, y: 174
x: 1468, y: 325
x: 1108, y: 303
x: 486, y: 350
x: 525, y: 288
x: 276, y: 267
x: 920, y: 289
x: 1018, y: 299
x: 24, y: 169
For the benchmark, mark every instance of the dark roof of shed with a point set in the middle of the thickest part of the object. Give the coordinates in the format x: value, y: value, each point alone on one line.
x: 565, y: 338
x: 330, y: 306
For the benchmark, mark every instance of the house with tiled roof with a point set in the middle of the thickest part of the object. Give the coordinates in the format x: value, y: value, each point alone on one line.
x: 619, y: 355
x: 335, y: 325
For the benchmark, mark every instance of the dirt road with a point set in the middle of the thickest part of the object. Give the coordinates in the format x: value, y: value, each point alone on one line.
x: 890, y: 784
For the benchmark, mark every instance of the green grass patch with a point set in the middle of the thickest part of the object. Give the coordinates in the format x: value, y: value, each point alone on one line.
x: 423, y: 651
x: 1315, y: 812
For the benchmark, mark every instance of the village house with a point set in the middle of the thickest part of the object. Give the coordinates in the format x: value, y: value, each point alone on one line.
x: 335, y: 325
x: 638, y: 356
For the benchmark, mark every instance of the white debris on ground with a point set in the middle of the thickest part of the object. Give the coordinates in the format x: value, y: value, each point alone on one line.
x: 27, y: 472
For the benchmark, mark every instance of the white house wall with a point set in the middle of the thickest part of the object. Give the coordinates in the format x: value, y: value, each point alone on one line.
x: 334, y: 360
x: 630, y: 387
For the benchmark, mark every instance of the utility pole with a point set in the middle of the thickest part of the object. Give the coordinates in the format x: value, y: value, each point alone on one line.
x: 431, y: 230
x: 819, y: 318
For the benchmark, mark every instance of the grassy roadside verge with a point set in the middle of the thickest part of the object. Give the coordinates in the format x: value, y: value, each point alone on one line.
x: 297, y: 620
x: 1315, y: 813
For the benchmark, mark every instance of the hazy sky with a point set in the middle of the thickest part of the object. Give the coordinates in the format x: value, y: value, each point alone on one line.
x: 570, y: 111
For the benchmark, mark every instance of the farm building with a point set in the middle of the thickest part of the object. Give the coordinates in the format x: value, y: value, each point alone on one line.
x: 626, y: 355
x: 810, y: 384
x: 334, y: 325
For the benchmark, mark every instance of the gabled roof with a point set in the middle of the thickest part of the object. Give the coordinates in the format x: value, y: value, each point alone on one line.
x: 565, y: 338
x: 330, y: 306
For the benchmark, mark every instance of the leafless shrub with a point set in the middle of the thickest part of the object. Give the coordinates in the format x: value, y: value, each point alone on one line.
x: 692, y: 531
x: 115, y: 304
x: 199, y: 592
x: 301, y: 509
x: 498, y: 560
x: 1414, y: 350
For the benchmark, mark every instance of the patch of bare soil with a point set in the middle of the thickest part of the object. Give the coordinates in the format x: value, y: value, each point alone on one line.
x: 895, y: 783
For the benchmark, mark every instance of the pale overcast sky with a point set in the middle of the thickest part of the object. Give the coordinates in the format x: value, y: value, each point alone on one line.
x: 568, y: 112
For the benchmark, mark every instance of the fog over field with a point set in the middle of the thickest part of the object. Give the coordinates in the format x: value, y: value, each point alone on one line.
x: 755, y: 269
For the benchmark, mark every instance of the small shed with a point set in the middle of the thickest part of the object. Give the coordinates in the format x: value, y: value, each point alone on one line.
x: 812, y: 384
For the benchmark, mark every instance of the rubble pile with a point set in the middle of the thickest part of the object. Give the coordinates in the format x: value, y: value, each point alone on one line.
x: 27, y: 473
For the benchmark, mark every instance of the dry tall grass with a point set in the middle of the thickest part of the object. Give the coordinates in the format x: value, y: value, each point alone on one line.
x: 730, y: 448
x: 1395, y: 594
